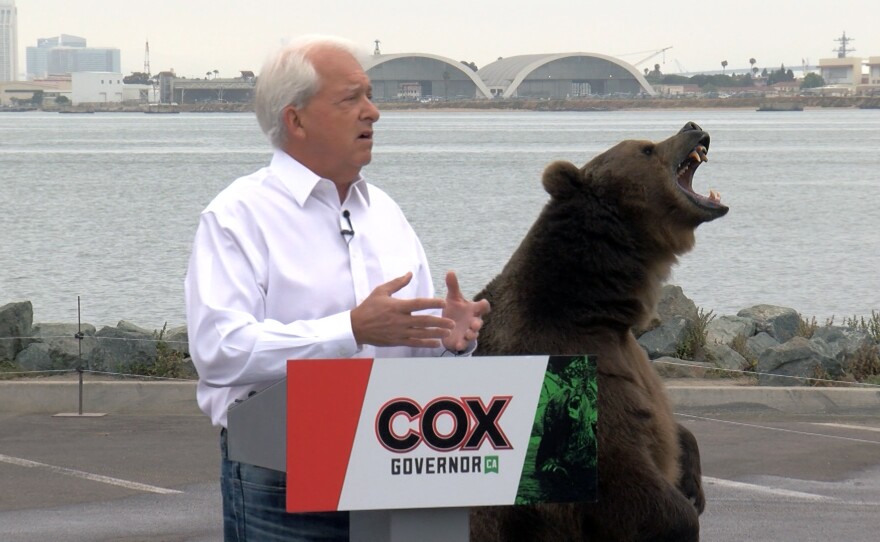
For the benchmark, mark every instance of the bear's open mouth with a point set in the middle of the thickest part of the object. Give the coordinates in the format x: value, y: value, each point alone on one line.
x: 685, y: 177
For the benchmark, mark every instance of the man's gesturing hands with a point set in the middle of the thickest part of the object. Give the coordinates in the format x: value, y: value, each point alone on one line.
x: 382, y: 320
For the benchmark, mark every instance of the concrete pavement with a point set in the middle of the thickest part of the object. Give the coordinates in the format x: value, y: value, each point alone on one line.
x: 54, y: 395
x: 769, y: 476
x: 780, y: 464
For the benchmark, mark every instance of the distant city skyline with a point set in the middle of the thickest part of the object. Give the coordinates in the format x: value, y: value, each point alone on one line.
x: 8, y: 41
x: 67, y: 54
x: 200, y: 36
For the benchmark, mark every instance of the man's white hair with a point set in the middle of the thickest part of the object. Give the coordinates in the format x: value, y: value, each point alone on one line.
x: 289, y: 78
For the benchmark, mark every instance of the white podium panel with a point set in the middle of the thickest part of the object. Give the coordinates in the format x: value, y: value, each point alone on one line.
x: 408, y: 445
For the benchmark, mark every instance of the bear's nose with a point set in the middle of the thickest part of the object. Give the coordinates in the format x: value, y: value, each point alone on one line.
x: 690, y: 126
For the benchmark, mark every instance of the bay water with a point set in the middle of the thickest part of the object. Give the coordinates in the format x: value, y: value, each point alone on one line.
x: 104, y: 206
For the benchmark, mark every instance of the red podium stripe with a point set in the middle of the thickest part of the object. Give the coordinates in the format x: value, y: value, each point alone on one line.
x: 324, y: 402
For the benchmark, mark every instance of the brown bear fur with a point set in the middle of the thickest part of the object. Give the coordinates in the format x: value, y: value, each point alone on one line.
x: 587, y: 273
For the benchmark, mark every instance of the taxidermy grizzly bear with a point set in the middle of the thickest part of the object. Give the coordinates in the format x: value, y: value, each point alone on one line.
x: 588, y: 272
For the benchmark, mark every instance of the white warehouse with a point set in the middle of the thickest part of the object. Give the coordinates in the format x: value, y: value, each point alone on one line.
x: 96, y: 87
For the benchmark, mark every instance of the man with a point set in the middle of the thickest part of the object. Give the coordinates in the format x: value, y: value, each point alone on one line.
x: 305, y: 259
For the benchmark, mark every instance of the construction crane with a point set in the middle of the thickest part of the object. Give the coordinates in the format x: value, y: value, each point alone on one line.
x: 652, y: 55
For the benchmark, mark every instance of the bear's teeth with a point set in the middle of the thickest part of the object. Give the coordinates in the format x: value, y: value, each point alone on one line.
x: 703, y: 152
x: 699, y: 154
x: 714, y: 196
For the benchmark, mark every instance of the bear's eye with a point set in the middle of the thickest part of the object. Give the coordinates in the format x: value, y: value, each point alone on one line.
x: 648, y: 150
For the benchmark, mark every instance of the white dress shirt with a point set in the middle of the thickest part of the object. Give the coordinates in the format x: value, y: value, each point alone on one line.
x: 271, y: 278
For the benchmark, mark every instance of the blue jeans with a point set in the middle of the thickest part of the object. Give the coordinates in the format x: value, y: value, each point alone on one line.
x: 254, y: 501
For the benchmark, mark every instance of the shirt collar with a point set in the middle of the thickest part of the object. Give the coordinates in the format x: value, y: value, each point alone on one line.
x: 301, y: 181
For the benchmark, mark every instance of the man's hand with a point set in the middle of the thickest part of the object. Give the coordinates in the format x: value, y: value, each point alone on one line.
x: 382, y: 320
x: 467, y: 315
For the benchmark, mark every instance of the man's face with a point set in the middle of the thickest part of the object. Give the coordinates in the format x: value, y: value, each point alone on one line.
x: 335, y: 135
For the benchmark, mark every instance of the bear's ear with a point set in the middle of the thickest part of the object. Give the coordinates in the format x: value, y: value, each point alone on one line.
x: 561, y: 179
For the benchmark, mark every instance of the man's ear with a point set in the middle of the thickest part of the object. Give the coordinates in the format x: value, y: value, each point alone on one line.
x: 292, y: 122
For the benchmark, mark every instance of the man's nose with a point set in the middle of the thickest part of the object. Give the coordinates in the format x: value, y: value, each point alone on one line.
x: 371, y: 112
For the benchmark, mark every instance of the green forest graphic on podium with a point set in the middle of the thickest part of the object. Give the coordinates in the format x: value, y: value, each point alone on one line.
x: 561, y: 462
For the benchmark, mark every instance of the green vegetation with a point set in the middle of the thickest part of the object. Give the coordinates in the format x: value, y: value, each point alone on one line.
x: 139, y: 78
x: 710, y: 83
x: 864, y: 364
x: 693, y: 346
x: 871, y: 325
x: 169, y: 363
x: 6, y: 367
x: 806, y: 328
x: 780, y: 76
x: 813, y: 80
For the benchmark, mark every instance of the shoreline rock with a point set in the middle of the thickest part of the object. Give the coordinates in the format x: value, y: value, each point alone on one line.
x: 586, y: 104
x: 126, y: 348
x: 772, y: 341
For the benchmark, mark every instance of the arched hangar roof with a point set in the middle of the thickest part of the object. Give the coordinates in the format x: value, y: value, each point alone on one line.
x: 509, y: 73
x: 460, y: 70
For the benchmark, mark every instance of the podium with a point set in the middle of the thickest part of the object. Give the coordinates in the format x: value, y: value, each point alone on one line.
x: 408, y: 445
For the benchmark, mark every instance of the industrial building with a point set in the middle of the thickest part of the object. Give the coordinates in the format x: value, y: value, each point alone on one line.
x: 420, y: 76
x: 850, y: 75
x: 209, y: 90
x: 428, y: 77
x: 562, y: 75
x: 96, y: 88
x: 416, y: 76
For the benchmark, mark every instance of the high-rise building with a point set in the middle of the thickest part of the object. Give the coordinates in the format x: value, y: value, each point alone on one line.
x: 37, y: 58
x: 67, y: 54
x: 8, y: 41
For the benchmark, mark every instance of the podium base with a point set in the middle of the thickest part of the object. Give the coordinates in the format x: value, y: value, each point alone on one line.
x: 424, y: 525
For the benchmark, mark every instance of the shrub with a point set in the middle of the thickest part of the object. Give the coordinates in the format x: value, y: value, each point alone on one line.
x: 693, y: 346
x: 806, y: 328
x: 864, y: 363
x: 7, y: 366
x: 169, y: 363
x: 871, y: 325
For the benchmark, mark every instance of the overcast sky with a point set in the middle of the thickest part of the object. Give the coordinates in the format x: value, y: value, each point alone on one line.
x: 196, y: 36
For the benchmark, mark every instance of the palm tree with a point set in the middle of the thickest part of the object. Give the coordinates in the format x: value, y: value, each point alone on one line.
x: 752, y: 62
x: 723, y: 66
x: 216, y: 73
x: 207, y: 75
